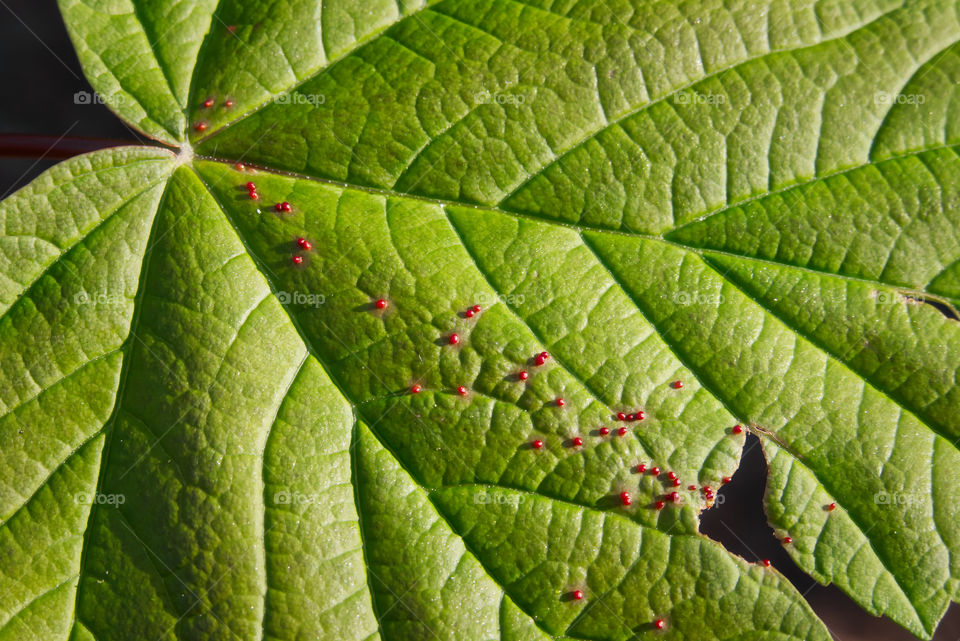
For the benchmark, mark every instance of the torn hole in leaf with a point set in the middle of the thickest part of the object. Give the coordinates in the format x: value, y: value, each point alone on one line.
x: 738, y: 522
x: 944, y: 308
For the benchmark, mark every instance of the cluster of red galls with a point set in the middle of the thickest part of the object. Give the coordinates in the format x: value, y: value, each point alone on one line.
x: 281, y: 208
x: 452, y: 339
x: 470, y: 312
x: 539, y: 360
x: 673, y: 497
x: 201, y: 125
x: 637, y: 415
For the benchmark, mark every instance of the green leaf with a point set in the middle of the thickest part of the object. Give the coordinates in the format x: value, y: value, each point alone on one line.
x: 206, y: 440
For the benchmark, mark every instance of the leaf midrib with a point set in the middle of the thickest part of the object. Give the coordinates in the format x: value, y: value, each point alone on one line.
x: 108, y: 426
x: 702, y: 253
x: 574, y: 146
x: 664, y: 236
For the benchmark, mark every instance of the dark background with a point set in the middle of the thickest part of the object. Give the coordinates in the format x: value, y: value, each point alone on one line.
x: 39, y: 77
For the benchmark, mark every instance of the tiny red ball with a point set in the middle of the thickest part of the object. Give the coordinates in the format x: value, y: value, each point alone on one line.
x: 625, y: 498
x: 577, y: 595
x: 655, y: 470
x: 692, y: 488
x: 672, y: 476
x: 468, y: 313
x: 706, y: 488
x: 544, y: 355
x: 659, y: 624
x: 228, y: 103
x: 200, y: 126
x: 254, y: 195
x: 208, y: 103
x: 251, y: 186
x: 641, y: 468
x: 736, y: 429
x: 787, y: 540
x: 297, y: 260
x: 675, y: 497
x: 631, y: 417
x: 381, y: 303
x: 640, y: 416
x: 561, y: 402
x: 676, y: 483
x: 454, y: 339
x: 622, y: 431
x: 240, y: 166
x: 416, y: 389
x: 659, y: 505
x: 522, y: 375
x: 538, y: 444
x: 766, y: 563
x: 831, y: 507
x: 676, y: 384
x: 604, y: 431
x: 476, y: 309
x: 462, y: 391
x: 621, y: 416
x: 725, y: 480
x: 304, y: 244
x: 539, y: 360
x: 576, y: 441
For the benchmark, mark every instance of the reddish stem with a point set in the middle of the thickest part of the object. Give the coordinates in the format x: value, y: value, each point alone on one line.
x: 55, y: 147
